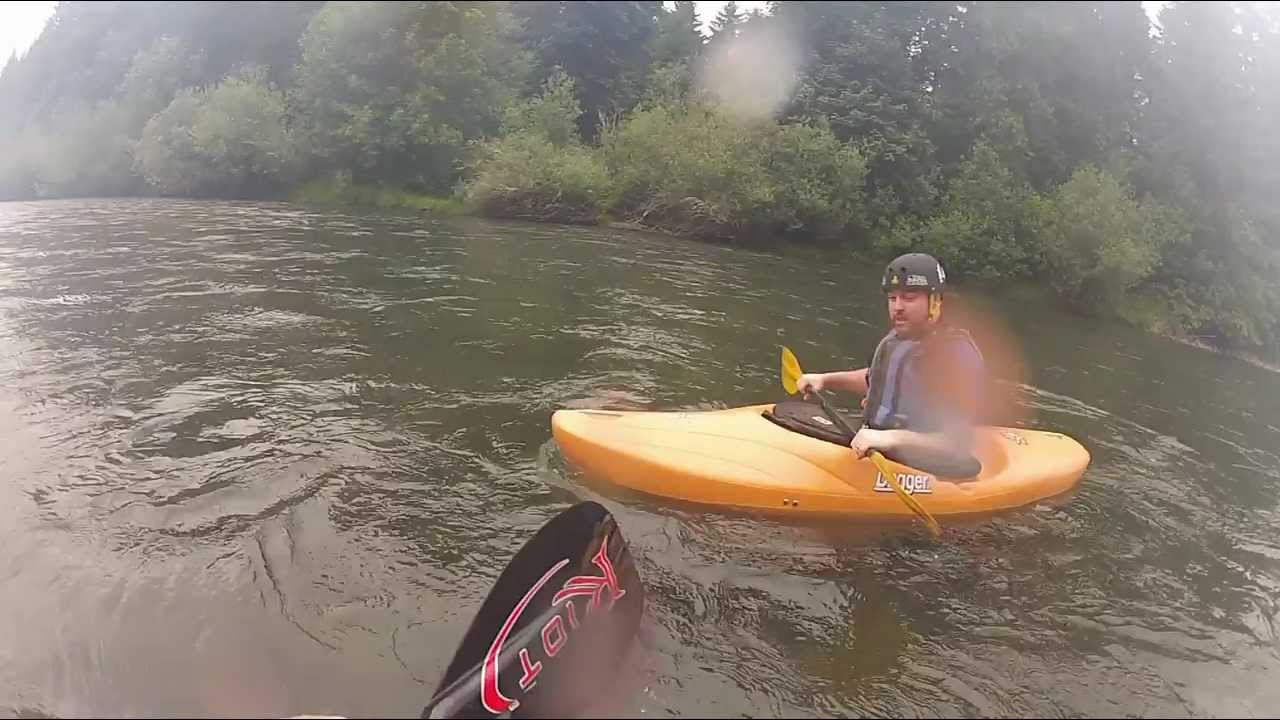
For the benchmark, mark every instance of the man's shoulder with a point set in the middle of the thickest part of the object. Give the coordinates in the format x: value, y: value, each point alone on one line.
x: 959, y: 346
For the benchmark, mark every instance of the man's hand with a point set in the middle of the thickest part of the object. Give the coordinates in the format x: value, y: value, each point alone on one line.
x: 867, y: 440
x: 811, y: 382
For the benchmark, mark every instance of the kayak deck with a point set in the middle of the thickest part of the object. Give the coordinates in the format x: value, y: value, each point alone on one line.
x: 738, y: 458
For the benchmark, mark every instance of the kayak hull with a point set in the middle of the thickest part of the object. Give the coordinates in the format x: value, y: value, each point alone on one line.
x: 738, y: 458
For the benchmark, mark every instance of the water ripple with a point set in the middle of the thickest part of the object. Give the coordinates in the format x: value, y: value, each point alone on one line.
x: 286, y: 451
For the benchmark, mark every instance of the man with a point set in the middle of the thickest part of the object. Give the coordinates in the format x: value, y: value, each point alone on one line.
x: 924, y: 386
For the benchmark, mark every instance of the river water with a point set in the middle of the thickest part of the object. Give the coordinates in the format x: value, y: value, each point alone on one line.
x: 262, y: 459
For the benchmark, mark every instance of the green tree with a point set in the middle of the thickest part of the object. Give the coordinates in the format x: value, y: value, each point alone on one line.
x: 1208, y: 146
x: 985, y: 227
x: 229, y: 141
x: 167, y: 155
x: 604, y: 46
x: 1099, y: 242
x: 469, y: 65
x: 82, y: 94
x: 1203, y: 112
x: 88, y: 48
x: 670, y: 85
x: 525, y: 176
x: 746, y: 179
x: 726, y: 23
x: 261, y: 35
x: 157, y: 73
x: 677, y: 39
x: 241, y: 133
x: 1069, y: 73
x: 539, y: 170
x: 389, y: 92
x: 551, y: 115
x: 858, y: 76
x: 83, y: 150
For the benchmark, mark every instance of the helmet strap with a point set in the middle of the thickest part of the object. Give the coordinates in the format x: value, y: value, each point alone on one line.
x: 935, y: 306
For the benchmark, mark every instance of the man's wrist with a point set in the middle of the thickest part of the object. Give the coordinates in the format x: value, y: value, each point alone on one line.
x: 888, y: 440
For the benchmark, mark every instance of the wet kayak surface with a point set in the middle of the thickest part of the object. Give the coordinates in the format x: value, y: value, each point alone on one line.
x: 265, y: 459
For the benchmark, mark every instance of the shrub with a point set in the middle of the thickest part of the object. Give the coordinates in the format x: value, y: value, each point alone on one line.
x: 539, y: 170
x: 527, y: 176
x: 986, y: 227
x: 229, y: 141
x: 696, y: 170
x: 1099, y: 242
x: 552, y: 115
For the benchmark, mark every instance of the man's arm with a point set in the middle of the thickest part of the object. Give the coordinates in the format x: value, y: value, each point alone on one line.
x: 854, y: 381
x: 961, y: 395
x: 904, y: 441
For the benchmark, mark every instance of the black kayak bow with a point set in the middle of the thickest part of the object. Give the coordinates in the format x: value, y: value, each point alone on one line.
x: 548, y: 640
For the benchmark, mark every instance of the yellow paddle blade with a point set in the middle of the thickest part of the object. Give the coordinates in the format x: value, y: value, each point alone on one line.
x: 891, y: 477
x: 790, y: 371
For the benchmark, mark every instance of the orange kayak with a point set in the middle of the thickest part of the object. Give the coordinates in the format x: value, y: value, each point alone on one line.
x: 738, y: 458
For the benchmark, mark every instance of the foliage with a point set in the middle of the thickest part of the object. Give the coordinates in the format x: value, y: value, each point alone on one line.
x: 390, y: 91
x: 677, y: 38
x: 83, y: 151
x: 157, y: 73
x: 1063, y: 76
x: 72, y: 109
x: 228, y: 140
x: 551, y: 115
x: 726, y: 22
x: 335, y: 192
x: 1099, y: 242
x: 985, y: 228
x: 670, y: 85
x: 89, y: 48
x: 700, y: 171
x: 1210, y: 148
x: 603, y: 46
x: 1215, y: 285
x: 167, y: 154
x: 527, y: 176
x: 858, y: 77
x: 540, y: 170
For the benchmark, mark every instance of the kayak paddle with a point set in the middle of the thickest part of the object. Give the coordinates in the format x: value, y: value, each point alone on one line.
x: 548, y: 640
x: 930, y: 461
x: 790, y: 378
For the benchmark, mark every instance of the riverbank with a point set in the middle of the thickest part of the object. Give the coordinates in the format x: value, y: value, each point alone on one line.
x: 1247, y: 357
x: 328, y: 193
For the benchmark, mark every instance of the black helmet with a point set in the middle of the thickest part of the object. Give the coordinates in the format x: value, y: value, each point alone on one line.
x: 914, y: 271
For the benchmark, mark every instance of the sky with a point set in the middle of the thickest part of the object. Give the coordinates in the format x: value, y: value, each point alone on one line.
x: 21, y: 22
x: 20, y: 25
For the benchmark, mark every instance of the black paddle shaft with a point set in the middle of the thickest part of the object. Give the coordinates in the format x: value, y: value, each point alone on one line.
x: 955, y: 465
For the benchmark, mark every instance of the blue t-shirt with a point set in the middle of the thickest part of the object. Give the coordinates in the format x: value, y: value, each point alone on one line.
x: 910, y: 400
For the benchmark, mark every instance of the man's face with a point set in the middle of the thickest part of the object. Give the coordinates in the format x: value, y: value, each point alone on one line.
x: 909, y: 311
